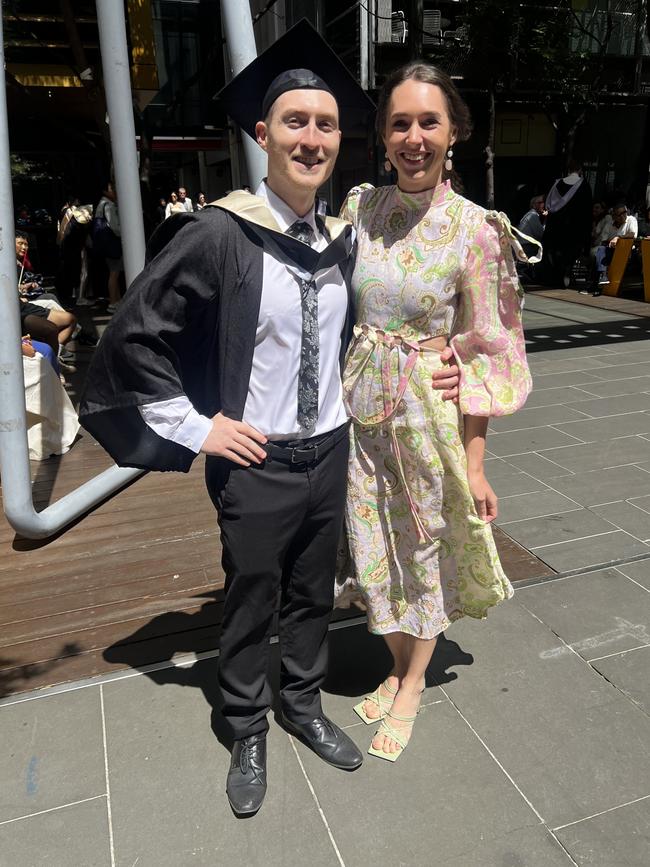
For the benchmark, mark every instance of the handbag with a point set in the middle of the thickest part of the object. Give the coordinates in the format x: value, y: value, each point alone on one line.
x: 105, y: 241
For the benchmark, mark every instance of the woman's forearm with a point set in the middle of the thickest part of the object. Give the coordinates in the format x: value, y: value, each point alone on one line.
x: 475, y: 433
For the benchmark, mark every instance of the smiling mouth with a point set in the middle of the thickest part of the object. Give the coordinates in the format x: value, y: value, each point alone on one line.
x: 414, y: 159
x: 308, y: 162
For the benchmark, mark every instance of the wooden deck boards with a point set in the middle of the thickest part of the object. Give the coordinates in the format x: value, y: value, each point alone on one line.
x: 135, y: 582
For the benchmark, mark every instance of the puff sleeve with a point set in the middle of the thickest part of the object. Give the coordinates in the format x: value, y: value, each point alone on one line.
x: 350, y: 207
x: 487, y: 338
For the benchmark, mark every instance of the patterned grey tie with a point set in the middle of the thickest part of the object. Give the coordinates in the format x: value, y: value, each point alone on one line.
x: 309, y: 346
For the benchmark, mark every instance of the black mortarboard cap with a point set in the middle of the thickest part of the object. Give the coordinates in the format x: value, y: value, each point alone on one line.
x: 299, y: 59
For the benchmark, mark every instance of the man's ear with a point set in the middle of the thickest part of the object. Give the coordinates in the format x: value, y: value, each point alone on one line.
x: 261, y: 134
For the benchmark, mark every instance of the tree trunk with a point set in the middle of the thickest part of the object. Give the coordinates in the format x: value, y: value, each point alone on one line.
x: 641, y: 25
x: 416, y: 19
x: 489, y: 152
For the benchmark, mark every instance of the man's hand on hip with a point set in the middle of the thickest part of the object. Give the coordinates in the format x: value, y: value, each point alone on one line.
x: 447, y: 377
x: 235, y: 440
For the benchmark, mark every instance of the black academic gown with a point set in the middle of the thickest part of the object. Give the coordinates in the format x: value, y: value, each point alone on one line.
x: 567, y: 233
x: 187, y: 325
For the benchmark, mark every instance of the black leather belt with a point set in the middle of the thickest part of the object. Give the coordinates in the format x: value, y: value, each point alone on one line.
x: 306, y: 451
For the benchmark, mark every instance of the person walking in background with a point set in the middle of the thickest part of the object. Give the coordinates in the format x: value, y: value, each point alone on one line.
x: 107, y: 243
x: 173, y: 206
x: 185, y: 200
x: 567, y: 230
x: 161, y: 210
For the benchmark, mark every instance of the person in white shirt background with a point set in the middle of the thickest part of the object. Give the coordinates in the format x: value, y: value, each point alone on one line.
x: 621, y: 224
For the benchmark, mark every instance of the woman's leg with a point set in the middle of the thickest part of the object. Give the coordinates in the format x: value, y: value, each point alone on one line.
x: 399, y: 647
x: 418, y: 656
x: 65, y: 322
x: 40, y: 328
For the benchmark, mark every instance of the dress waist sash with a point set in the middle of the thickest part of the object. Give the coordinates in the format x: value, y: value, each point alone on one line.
x: 380, y: 355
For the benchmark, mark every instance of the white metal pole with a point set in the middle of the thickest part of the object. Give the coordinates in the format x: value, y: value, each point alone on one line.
x: 119, y: 101
x: 240, y: 39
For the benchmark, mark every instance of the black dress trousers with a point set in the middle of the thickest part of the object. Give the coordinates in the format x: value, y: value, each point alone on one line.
x: 280, y: 526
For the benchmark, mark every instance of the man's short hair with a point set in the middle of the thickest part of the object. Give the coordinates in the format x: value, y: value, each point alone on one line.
x: 536, y: 199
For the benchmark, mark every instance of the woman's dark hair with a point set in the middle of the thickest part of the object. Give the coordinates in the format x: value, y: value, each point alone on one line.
x: 418, y: 71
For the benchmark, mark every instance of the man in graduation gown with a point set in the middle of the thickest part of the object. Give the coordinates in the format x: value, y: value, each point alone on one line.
x: 230, y: 342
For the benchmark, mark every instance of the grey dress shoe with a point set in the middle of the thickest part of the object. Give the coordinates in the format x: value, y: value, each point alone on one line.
x: 246, y: 783
x: 328, y: 741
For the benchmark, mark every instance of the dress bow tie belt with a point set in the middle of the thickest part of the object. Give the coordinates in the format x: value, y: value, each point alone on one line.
x: 380, y: 346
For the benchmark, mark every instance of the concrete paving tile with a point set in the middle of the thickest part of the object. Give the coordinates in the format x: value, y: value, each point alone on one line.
x: 569, y: 365
x: 497, y: 468
x: 577, y: 746
x: 551, y: 396
x: 521, y: 506
x: 622, y: 371
x: 591, y: 551
x: 70, y: 837
x: 536, y: 416
x: 634, y: 521
x: 597, y: 614
x: 52, y: 752
x: 556, y: 528
x: 517, y: 483
x: 629, y: 672
x: 639, y: 572
x: 162, y: 754
x: 531, y: 440
x: 635, y: 351
x: 604, y: 486
x: 537, y: 466
x: 615, y: 387
x: 607, y: 428
x: 525, y: 847
x: 620, y: 838
x: 446, y: 795
x: 606, y: 406
x: 553, y: 380
x: 598, y: 455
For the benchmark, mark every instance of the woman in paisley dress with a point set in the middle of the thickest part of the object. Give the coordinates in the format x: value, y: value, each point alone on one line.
x: 432, y: 269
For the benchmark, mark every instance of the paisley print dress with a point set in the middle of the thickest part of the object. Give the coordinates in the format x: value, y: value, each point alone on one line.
x: 428, y: 264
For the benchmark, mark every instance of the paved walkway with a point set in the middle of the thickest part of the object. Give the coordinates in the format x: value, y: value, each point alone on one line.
x: 533, y: 745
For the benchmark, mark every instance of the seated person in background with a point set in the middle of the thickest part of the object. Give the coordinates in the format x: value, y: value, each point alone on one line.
x: 31, y: 347
x: 644, y: 224
x: 598, y: 217
x: 41, y: 316
x: 52, y: 423
x: 532, y: 224
x: 621, y: 224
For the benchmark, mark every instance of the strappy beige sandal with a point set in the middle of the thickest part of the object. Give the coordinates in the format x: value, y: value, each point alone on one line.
x: 383, y: 702
x: 400, y: 735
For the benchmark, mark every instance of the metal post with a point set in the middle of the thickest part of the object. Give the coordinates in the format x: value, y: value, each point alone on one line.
x: 240, y: 39
x: 14, y: 453
x: 117, y: 85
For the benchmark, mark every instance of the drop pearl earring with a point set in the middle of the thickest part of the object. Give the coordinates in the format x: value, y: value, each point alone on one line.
x: 388, y: 166
x: 448, y: 163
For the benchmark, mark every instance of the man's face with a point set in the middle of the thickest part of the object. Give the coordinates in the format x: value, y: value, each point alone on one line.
x: 619, y: 215
x: 538, y: 205
x: 22, y: 246
x: 182, y: 193
x: 301, y: 137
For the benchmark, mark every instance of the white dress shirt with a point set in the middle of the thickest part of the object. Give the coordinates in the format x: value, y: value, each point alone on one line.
x: 272, y: 401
